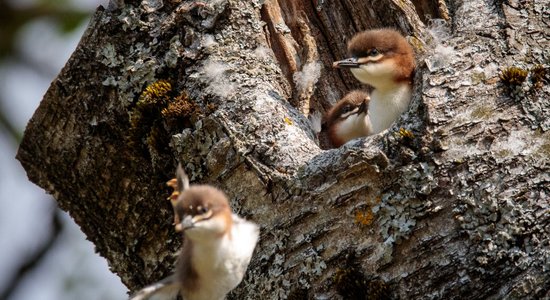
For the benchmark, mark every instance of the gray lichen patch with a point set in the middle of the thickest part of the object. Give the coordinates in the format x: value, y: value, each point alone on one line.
x: 312, y: 266
x: 204, y: 149
x: 134, y: 64
x: 398, y: 210
x: 274, y: 281
x: 174, y: 53
x: 501, y: 218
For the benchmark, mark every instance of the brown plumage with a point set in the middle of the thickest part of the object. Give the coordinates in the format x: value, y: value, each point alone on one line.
x: 351, y: 110
x: 388, y: 42
x: 202, y: 202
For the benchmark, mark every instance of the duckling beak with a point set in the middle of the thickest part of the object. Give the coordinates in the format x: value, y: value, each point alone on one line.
x: 363, y: 108
x: 346, y: 63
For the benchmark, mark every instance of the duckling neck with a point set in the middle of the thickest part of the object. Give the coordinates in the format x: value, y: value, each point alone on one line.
x: 386, y: 105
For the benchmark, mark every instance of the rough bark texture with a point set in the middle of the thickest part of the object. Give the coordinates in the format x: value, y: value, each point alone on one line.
x: 458, y: 210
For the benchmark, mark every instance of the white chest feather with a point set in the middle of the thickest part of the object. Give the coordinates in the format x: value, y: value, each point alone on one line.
x: 353, y: 127
x: 221, y: 264
x: 386, y: 107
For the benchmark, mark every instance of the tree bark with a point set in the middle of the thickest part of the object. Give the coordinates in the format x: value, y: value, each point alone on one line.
x: 457, y: 210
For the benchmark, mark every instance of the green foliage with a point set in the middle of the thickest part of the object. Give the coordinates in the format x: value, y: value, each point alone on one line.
x: 12, y: 19
x: 71, y: 22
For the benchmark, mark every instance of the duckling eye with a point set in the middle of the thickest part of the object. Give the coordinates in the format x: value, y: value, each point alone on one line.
x: 346, y: 109
x: 202, y: 210
x: 374, y: 52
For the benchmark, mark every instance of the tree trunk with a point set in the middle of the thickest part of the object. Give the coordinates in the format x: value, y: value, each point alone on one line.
x: 458, y: 209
